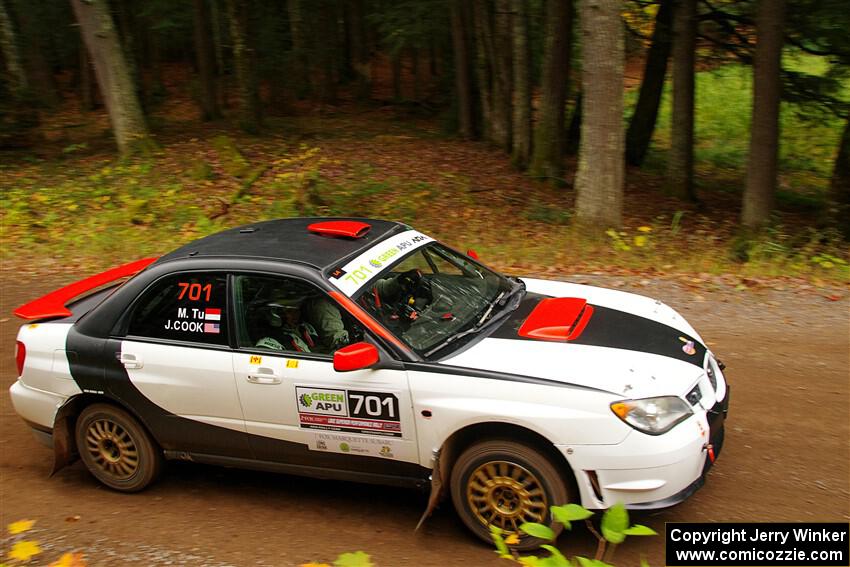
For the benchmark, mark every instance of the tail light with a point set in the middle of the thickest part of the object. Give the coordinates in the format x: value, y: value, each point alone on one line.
x: 20, y: 356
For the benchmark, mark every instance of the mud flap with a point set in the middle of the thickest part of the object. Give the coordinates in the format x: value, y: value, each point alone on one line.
x: 63, y: 443
x: 437, y: 489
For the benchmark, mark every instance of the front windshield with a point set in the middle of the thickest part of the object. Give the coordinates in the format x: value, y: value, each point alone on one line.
x: 433, y: 295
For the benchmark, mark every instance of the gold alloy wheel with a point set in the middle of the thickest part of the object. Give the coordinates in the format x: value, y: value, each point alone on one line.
x: 112, y: 449
x: 506, y: 495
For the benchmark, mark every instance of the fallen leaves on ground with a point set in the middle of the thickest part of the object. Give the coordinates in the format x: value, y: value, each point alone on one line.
x: 70, y: 560
x: 24, y: 550
x: 20, y: 526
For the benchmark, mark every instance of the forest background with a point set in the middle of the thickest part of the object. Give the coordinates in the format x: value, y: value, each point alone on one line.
x: 703, y: 139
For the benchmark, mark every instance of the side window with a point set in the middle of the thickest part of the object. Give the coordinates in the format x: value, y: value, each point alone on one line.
x: 290, y: 315
x: 184, y: 307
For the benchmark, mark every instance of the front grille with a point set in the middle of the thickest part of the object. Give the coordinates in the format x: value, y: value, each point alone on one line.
x: 694, y: 396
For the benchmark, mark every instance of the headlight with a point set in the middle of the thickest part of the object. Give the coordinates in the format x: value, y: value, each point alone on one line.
x: 652, y: 415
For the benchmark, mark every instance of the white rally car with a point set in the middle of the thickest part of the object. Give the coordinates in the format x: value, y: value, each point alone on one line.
x: 364, y: 350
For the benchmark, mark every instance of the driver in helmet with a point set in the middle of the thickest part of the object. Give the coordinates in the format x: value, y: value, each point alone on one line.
x: 398, y: 295
x: 286, y: 330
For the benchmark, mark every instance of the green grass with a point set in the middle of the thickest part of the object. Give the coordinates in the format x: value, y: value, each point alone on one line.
x: 808, y: 142
x: 83, y: 210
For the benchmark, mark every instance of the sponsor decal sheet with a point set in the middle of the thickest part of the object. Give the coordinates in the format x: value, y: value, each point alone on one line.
x: 349, y: 411
x: 365, y: 267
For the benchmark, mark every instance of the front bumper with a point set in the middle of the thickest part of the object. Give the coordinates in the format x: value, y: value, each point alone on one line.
x: 646, y: 472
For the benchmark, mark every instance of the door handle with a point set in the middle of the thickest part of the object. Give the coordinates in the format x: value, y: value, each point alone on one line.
x: 263, y: 379
x: 130, y: 360
x: 264, y: 376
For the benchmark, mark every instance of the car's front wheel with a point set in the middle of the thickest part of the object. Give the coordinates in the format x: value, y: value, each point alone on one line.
x: 116, y: 449
x: 505, y: 484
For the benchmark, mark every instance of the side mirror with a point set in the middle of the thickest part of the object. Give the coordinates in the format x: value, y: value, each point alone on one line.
x: 472, y: 254
x: 355, y: 357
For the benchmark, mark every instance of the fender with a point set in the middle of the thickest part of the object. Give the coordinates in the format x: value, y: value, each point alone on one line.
x: 65, y: 450
x: 445, y: 456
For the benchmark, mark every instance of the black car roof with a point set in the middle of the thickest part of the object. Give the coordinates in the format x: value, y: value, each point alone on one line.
x: 286, y: 240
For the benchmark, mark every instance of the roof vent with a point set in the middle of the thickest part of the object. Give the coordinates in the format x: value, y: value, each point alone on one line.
x: 348, y: 229
x: 557, y: 319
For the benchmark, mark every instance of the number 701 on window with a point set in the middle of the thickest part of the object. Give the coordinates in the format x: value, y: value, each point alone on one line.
x: 361, y: 274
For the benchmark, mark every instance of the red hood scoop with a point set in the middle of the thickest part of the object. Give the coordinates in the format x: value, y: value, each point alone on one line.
x: 557, y: 319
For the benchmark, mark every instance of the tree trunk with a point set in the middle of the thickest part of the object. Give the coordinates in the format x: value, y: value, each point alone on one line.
x: 11, y: 55
x: 601, y: 161
x: 680, y: 166
x: 360, y: 60
x: 762, y: 164
x: 549, y: 143
x: 218, y: 49
x: 463, y: 72
x: 417, y: 74
x: 154, y: 85
x: 521, y: 151
x: 206, y: 62
x: 86, y: 84
x: 35, y: 61
x: 116, y: 86
x: 126, y: 34
x: 839, y: 193
x: 329, y: 39
x: 396, y: 72
x: 503, y: 75
x: 574, y: 129
x: 484, y: 65
x: 300, y: 53
x: 243, y: 62
x: 642, y: 124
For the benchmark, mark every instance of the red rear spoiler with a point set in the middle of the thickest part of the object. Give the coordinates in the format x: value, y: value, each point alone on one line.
x: 53, y: 304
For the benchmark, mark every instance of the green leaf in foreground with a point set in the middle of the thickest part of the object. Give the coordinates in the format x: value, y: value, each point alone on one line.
x: 499, y: 542
x: 638, y: 529
x: 557, y: 557
x: 615, y: 521
x: 538, y: 530
x: 356, y: 559
x: 570, y: 513
x: 585, y: 562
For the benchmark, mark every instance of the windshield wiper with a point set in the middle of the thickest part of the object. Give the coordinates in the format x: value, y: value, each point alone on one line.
x: 490, y: 309
x: 472, y: 329
x: 450, y: 340
x: 500, y: 299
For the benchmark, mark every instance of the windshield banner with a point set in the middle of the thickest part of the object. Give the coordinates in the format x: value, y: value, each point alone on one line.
x: 356, y: 273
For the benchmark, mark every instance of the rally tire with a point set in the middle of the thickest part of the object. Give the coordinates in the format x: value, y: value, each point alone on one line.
x: 116, y: 449
x: 506, y: 483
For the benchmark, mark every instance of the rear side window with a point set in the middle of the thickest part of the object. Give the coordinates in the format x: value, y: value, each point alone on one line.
x: 184, y: 307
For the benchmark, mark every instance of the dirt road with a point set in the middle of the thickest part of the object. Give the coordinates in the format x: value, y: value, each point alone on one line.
x: 785, y: 459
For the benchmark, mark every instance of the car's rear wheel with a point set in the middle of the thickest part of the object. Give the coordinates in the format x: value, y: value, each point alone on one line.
x: 116, y: 449
x: 505, y: 484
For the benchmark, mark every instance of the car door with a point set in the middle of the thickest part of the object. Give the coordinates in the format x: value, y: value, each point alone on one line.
x: 178, y: 364
x: 296, y: 406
